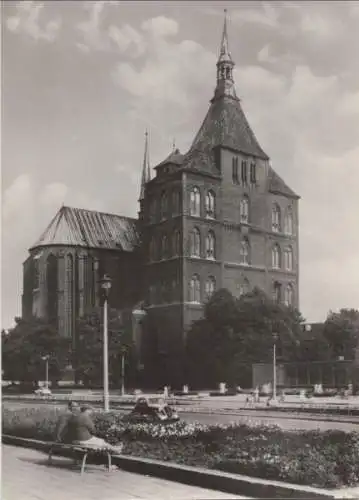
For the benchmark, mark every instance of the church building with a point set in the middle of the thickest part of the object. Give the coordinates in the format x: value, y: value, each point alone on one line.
x: 217, y: 216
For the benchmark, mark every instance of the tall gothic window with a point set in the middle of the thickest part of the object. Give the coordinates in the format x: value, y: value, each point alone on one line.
x: 195, y: 202
x: 152, y: 294
x: 253, y: 174
x: 164, y: 206
x: 164, y: 247
x: 210, y: 205
x: 288, y: 221
x: 36, y: 282
x: 244, y: 257
x: 195, y: 289
x: 235, y: 174
x: 275, y: 218
x: 244, y: 287
x: 276, y: 257
x: 153, y: 208
x: 153, y: 249
x: 288, y: 295
x: 244, y: 210
x: 195, y: 242
x: 277, y: 292
x: 52, y: 286
x: 176, y: 243
x: 288, y: 258
x: 175, y: 202
x: 210, y: 245
x: 244, y: 172
x: 210, y: 287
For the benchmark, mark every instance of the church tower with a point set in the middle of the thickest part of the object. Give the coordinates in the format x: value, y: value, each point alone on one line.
x: 217, y: 216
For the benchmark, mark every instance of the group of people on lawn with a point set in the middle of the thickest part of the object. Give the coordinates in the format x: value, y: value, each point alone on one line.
x: 78, y: 428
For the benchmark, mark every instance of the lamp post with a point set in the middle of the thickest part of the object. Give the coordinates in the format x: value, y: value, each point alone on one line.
x: 123, y: 352
x: 106, y: 287
x: 275, y: 338
x: 46, y: 359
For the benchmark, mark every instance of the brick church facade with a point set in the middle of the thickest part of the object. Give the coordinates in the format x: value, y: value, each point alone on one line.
x: 216, y: 216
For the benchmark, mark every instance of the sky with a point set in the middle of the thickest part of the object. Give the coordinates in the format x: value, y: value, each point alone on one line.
x: 81, y: 81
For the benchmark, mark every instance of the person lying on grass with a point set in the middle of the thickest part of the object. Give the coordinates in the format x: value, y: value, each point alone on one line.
x: 81, y: 430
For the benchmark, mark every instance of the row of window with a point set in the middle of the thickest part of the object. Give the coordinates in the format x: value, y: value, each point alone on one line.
x: 167, y: 292
x: 172, y: 206
x: 287, y: 258
x: 277, y: 227
x: 288, y: 298
x: 243, y: 178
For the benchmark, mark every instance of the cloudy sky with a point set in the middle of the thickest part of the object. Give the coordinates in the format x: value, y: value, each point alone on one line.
x: 82, y: 80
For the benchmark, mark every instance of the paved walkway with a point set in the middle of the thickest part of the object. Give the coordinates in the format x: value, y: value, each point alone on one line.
x: 26, y: 476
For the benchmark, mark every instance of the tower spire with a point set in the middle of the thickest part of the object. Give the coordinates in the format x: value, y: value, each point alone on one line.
x: 225, y: 64
x: 146, y: 170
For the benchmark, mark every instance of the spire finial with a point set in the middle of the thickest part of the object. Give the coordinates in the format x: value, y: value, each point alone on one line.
x: 173, y: 145
x: 225, y: 64
x: 146, y: 169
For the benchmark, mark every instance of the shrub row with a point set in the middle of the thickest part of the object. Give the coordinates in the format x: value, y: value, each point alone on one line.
x: 322, y: 459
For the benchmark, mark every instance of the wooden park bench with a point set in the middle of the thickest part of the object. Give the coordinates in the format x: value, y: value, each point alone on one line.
x: 79, y: 453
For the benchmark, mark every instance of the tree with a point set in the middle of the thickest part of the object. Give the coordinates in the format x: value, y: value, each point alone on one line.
x: 341, y: 331
x: 238, y: 332
x: 24, y: 346
x: 89, y: 348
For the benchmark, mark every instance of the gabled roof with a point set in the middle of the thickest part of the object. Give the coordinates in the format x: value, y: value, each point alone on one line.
x: 175, y: 158
x: 276, y: 185
x: 90, y: 229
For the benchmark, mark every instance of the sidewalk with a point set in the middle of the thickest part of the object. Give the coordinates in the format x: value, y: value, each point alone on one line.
x: 26, y: 476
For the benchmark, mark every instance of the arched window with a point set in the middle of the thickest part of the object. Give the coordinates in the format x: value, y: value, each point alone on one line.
x: 277, y: 292
x: 210, y: 245
x: 175, y: 288
x: 36, y: 261
x: 276, y: 257
x: 195, y: 202
x: 288, y: 258
x: 164, y: 247
x: 244, y: 257
x: 153, y: 208
x: 175, y: 202
x: 152, y: 294
x: 176, y: 243
x: 244, y: 210
x: 195, y: 289
x: 244, y: 287
x: 288, y: 221
x: 195, y: 250
x: 210, y: 287
x: 210, y: 205
x: 153, y: 249
x: 52, y: 287
x: 276, y: 218
x: 288, y: 295
x: 163, y: 206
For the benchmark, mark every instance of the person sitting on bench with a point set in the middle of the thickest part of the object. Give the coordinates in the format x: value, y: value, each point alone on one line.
x: 61, y: 431
x: 81, y: 430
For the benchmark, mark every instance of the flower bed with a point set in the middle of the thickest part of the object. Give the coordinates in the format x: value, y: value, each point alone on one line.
x: 323, y: 459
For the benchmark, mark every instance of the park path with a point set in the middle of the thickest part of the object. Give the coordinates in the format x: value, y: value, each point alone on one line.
x: 26, y: 476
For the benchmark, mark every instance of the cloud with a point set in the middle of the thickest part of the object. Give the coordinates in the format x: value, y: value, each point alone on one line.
x: 266, y: 15
x: 27, y: 21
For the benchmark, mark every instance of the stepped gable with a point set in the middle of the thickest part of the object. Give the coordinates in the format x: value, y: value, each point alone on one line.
x: 90, y: 229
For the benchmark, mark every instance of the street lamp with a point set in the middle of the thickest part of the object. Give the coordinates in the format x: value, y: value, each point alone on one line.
x: 106, y: 287
x: 123, y: 352
x: 46, y: 359
x: 275, y: 338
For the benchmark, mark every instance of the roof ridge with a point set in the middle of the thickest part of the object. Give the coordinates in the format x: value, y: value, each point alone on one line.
x: 97, y: 211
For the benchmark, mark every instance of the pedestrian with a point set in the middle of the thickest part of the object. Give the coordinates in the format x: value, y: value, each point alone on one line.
x: 61, y: 430
x: 81, y: 429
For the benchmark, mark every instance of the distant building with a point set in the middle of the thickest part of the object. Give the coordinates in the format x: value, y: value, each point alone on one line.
x: 216, y: 216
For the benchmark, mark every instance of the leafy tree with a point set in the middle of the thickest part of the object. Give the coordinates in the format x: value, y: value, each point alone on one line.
x: 341, y: 331
x: 89, y: 348
x: 238, y: 332
x: 24, y: 346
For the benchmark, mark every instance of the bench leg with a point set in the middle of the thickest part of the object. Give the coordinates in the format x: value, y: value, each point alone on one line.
x: 83, y: 463
x: 109, y: 461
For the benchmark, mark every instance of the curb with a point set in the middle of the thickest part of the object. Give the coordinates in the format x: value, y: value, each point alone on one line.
x: 205, y: 478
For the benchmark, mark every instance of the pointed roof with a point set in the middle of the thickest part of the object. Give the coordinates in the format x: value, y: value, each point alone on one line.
x: 175, y: 157
x: 276, y: 185
x: 90, y: 229
x: 146, y: 169
x: 225, y: 123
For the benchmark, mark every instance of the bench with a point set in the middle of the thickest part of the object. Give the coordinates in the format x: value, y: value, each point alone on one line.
x: 78, y: 452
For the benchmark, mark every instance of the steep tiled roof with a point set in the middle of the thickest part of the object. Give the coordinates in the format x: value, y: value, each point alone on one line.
x: 90, y: 229
x: 176, y: 158
x: 224, y: 125
x: 277, y: 185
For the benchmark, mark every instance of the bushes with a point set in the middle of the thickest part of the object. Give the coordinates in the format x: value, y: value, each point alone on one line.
x: 322, y: 459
